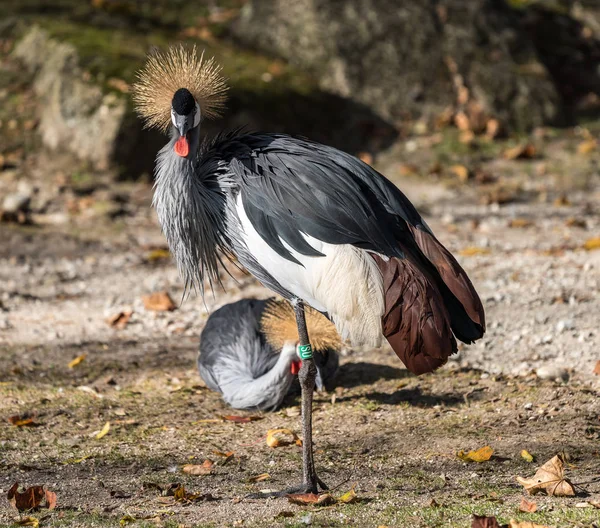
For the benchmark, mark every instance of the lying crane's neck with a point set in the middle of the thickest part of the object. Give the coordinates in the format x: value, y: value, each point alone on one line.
x: 265, y: 392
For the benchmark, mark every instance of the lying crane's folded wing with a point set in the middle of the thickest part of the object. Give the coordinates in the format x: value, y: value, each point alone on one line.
x: 415, y: 323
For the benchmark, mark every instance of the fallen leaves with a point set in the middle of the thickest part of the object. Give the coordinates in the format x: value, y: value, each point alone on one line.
x: 527, y: 506
x: 311, y: 499
x: 26, y: 420
x: 32, y: 498
x: 323, y: 499
x: 103, y: 432
x: 525, y: 524
x: 523, y: 151
x: 461, y: 172
x: 74, y: 362
x: 520, y: 223
x: 482, y: 454
x: 473, y: 250
x: 159, y: 302
x: 481, y: 521
x: 28, y: 521
x: 349, y: 497
x: 526, y: 455
x: 241, y: 419
x: 587, y: 146
x: 260, y: 478
x: 180, y: 494
x: 282, y: 437
x: 120, y: 319
x: 592, y: 244
x: 550, y: 479
x: 205, y: 468
x: 597, y: 368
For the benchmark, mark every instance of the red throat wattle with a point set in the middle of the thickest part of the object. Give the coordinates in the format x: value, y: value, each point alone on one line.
x: 182, y: 147
x: 295, y: 367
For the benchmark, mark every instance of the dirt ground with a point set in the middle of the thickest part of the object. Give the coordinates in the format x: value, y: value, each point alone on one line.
x: 529, y: 384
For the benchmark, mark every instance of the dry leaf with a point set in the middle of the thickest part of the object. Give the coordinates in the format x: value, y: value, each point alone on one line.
x: 575, y: 222
x: 120, y: 320
x: 159, y: 302
x: 462, y: 121
x: 127, y: 519
x: 181, y: 495
x: 104, y: 431
x: 241, y: 419
x: 281, y: 437
x: 591, y: 244
x: 28, y: 521
x: 561, y: 201
x: 23, y: 421
x: 482, y: 454
x: 587, y: 146
x: 223, y: 454
x: 520, y: 222
x: 31, y: 498
x: 597, y: 368
x: 260, y: 478
x: 158, y: 254
x: 349, y: 497
x: 473, y: 250
x: 484, y: 522
x: 526, y: 455
x: 304, y: 499
x: 199, y: 469
x: 527, y: 506
x: 549, y: 478
x: 461, y: 172
x: 525, y: 524
x: 524, y: 151
x: 492, y: 128
x: 50, y: 499
x: 73, y: 363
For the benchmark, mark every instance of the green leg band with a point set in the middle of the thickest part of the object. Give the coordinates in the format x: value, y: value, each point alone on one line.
x: 305, y: 352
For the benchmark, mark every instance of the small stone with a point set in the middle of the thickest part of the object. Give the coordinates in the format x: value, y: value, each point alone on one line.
x: 552, y: 372
x: 564, y: 325
x: 547, y: 339
x: 528, y: 406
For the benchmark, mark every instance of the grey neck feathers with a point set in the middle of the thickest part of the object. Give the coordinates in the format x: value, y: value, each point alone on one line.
x: 265, y: 392
x: 190, y: 204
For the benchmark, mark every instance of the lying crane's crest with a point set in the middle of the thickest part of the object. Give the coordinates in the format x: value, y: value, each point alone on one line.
x: 278, y: 323
x: 165, y: 73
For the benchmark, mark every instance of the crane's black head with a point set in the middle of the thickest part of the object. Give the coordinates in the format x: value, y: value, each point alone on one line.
x: 185, y: 115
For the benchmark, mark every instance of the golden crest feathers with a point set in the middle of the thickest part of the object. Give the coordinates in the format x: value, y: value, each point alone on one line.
x: 165, y: 73
x: 278, y: 323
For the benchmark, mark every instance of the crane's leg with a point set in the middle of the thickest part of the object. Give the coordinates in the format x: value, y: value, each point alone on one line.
x: 307, y: 375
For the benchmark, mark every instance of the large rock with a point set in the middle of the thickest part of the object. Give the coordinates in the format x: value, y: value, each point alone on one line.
x: 411, y: 57
x: 75, y: 115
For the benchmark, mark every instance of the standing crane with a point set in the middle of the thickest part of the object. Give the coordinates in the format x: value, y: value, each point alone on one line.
x: 249, y: 352
x: 314, y: 224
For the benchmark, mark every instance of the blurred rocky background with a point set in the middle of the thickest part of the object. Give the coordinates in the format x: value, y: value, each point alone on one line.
x: 485, y: 112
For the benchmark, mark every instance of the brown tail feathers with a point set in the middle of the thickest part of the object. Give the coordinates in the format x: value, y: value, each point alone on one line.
x: 422, y: 315
x: 453, y: 276
x: 415, y: 322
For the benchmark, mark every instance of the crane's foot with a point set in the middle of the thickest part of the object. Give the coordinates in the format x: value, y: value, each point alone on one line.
x: 302, y: 488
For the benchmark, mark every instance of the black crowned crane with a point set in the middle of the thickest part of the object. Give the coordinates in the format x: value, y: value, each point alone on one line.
x: 312, y: 223
x: 248, y: 352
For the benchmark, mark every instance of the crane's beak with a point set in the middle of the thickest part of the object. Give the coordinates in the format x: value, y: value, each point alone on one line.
x: 182, y: 145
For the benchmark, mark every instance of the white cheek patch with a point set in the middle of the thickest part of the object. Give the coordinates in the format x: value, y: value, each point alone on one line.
x: 197, y: 116
x: 173, y: 117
